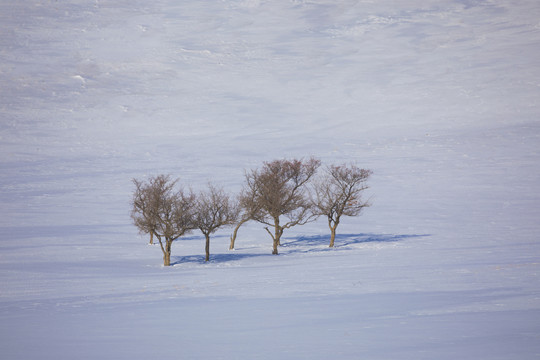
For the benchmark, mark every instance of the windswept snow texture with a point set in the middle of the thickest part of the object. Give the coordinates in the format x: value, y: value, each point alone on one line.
x: 441, y: 99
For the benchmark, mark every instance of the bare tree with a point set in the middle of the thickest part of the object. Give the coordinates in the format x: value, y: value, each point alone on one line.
x: 214, y: 209
x: 339, y: 193
x: 159, y: 209
x: 144, y: 207
x: 278, y: 191
x: 249, y: 210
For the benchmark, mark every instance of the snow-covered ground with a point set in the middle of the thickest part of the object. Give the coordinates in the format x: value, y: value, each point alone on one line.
x: 441, y: 99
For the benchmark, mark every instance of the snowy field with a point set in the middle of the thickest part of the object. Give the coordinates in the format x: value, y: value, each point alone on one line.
x: 441, y: 99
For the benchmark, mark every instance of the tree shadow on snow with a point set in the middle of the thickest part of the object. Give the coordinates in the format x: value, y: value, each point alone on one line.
x: 317, y: 243
x: 299, y: 244
x: 214, y: 258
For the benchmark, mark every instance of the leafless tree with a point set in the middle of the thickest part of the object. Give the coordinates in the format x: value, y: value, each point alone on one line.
x: 339, y: 193
x: 214, y: 209
x: 278, y: 190
x: 160, y: 209
x: 248, y: 208
x: 144, y: 207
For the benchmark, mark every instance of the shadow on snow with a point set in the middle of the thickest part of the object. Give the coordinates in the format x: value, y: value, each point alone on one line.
x: 345, y: 240
x: 214, y: 258
x: 299, y: 244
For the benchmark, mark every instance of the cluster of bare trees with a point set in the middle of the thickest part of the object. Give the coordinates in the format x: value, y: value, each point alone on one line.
x: 279, y: 195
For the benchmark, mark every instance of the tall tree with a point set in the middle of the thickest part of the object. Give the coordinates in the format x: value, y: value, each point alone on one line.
x: 339, y: 193
x: 279, y: 191
x: 160, y: 209
x: 214, y: 209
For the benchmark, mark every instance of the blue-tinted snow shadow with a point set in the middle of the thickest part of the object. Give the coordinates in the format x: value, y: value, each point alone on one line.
x: 299, y: 244
x: 214, y: 258
x: 343, y: 241
x: 216, y: 254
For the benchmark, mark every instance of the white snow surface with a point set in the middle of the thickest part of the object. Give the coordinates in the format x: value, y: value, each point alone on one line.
x: 441, y: 99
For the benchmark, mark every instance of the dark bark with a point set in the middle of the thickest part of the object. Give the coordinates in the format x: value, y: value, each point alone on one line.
x: 207, y: 247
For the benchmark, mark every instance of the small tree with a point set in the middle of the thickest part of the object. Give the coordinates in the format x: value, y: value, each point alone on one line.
x: 278, y: 191
x: 145, y: 204
x: 339, y: 193
x: 249, y: 210
x: 214, y: 209
x: 159, y: 209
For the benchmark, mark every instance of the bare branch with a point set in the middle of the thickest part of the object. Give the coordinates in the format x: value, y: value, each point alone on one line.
x: 159, y: 209
x: 339, y: 193
x: 279, y: 189
x: 214, y: 209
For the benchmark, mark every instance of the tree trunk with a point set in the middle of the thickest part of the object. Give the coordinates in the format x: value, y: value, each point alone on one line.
x: 333, y: 226
x: 207, y: 247
x: 151, y: 238
x: 167, y: 253
x: 235, y: 232
x: 277, y: 236
x: 275, y: 247
x: 332, y: 236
